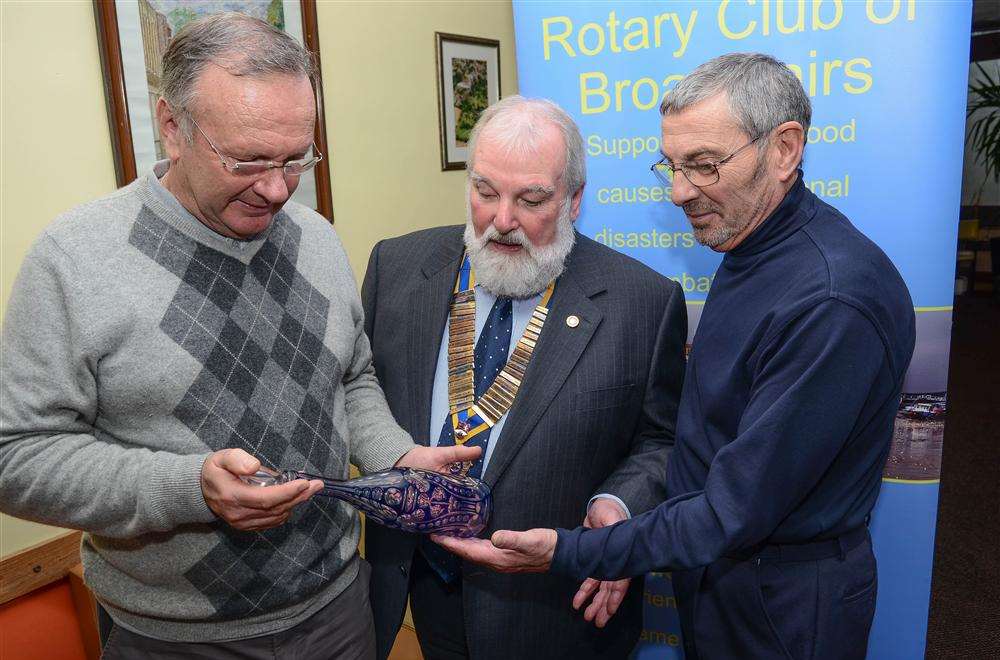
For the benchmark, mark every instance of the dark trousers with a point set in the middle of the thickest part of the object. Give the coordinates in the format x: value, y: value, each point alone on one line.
x: 781, y: 603
x: 343, y: 629
x: 438, y: 615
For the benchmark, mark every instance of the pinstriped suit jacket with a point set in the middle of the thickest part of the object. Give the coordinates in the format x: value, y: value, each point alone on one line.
x: 595, y: 414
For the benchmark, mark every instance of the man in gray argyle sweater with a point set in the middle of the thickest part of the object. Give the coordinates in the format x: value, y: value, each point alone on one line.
x: 183, y: 331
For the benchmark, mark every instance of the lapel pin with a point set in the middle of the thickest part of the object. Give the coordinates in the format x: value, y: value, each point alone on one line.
x: 572, y: 320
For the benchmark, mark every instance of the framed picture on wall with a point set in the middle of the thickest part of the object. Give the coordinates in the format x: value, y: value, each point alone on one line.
x: 133, y: 34
x: 468, y: 82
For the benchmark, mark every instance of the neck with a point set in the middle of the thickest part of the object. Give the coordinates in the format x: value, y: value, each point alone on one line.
x: 172, y: 180
x: 771, y: 199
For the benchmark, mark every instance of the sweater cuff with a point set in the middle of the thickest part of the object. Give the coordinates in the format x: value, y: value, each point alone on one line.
x: 175, y: 495
x: 382, y: 452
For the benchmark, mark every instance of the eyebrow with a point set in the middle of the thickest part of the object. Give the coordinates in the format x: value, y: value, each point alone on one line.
x: 700, y: 153
x: 694, y: 154
x: 536, y: 189
x: 297, y: 155
x: 539, y: 190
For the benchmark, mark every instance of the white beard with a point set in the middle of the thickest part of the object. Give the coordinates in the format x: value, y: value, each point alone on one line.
x: 526, y: 273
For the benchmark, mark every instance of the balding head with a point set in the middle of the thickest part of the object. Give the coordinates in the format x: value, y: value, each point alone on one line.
x: 518, y: 125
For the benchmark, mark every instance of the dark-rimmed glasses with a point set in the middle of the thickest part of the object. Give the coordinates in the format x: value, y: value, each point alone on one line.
x: 253, y: 167
x: 699, y: 174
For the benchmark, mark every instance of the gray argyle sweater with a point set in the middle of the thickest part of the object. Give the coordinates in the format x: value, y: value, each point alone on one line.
x: 136, y: 342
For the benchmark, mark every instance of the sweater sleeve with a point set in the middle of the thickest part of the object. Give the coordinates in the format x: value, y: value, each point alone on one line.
x: 810, y: 385
x: 55, y: 467
x: 377, y: 441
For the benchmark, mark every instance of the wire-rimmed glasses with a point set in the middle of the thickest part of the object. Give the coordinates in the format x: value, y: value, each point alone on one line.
x: 254, y: 167
x: 700, y: 174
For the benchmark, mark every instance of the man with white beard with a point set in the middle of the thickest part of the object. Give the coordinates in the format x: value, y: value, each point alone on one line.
x: 575, y: 425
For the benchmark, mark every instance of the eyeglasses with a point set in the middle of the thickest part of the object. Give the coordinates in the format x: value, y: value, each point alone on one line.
x: 699, y: 174
x: 254, y: 167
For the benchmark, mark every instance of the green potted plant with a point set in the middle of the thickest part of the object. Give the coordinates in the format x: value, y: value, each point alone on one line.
x: 984, y: 140
x: 984, y: 134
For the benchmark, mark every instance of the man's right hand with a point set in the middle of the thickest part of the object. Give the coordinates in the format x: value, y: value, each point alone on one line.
x: 245, y: 507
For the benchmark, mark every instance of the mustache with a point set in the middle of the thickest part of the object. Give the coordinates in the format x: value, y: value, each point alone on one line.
x: 513, y: 237
x: 699, y: 208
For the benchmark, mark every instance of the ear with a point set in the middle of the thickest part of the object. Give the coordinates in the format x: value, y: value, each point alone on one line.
x: 788, y: 142
x: 575, y: 201
x: 170, y: 131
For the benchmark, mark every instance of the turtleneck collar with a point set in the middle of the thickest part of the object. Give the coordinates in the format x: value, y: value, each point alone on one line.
x: 794, y: 211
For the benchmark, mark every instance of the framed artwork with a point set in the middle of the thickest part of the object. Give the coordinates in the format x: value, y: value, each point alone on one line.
x: 468, y: 81
x: 133, y: 34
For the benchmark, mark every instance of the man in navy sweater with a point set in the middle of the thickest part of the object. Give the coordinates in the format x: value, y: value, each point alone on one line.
x: 787, y: 412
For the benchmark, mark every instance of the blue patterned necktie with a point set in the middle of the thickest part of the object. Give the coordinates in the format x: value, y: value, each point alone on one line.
x: 489, y: 358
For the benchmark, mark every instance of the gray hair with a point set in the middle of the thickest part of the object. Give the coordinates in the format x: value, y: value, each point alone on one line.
x: 240, y: 44
x: 762, y: 92
x: 517, y: 122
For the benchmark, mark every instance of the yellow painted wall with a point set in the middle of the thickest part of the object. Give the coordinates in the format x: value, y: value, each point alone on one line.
x: 380, y: 86
x: 381, y: 112
x: 54, y: 140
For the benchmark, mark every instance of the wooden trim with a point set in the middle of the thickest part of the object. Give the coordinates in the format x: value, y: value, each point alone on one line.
x: 120, y: 128
x: 310, y: 34
x: 86, y: 613
x: 38, y: 565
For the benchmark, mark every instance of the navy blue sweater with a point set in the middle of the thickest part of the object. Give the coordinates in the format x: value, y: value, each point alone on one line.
x: 787, y: 412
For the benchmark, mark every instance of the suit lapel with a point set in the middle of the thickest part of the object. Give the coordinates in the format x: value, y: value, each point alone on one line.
x: 559, y: 348
x: 428, y: 302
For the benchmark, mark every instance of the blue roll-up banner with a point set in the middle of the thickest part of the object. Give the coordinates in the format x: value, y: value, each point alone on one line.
x: 887, y: 80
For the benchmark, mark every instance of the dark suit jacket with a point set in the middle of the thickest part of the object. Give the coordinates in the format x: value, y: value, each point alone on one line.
x: 595, y: 414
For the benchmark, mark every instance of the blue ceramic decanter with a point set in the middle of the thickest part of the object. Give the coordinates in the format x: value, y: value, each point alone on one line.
x: 409, y: 499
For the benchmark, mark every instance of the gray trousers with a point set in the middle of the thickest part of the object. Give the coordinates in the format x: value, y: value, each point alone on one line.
x: 343, y: 629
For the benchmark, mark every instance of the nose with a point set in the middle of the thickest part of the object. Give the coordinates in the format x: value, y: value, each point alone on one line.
x: 683, y: 191
x: 505, y: 219
x: 273, y: 186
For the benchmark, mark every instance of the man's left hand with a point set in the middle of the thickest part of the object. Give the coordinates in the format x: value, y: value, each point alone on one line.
x: 609, y: 594
x: 438, y: 459
x: 506, y: 551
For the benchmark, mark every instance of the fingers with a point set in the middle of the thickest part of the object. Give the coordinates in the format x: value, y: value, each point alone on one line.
x: 617, y: 596
x: 249, y: 507
x: 531, y: 542
x: 461, y: 453
x: 312, y: 487
x: 606, y: 603
x: 438, y: 459
x: 597, y: 606
x: 260, y: 524
x: 583, y: 594
x: 506, y: 551
x: 475, y: 550
x: 253, y: 518
x: 271, y: 498
x: 481, y: 551
x: 235, y: 461
x: 603, y: 512
x: 506, y: 540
